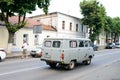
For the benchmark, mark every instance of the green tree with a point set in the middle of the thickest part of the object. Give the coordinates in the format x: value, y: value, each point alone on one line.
x: 115, y: 30
x: 94, y: 16
x: 10, y: 8
x: 116, y: 26
x: 108, y: 24
x: 112, y: 26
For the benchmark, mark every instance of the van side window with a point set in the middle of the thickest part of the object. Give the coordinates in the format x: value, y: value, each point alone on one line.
x: 47, y: 43
x: 86, y: 43
x: 91, y: 44
x: 81, y: 44
x: 73, y: 44
x: 56, y: 44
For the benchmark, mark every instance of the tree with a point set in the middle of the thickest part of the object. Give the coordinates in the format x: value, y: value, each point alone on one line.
x: 11, y: 8
x: 108, y: 26
x: 94, y: 16
x: 115, y: 30
x: 112, y: 27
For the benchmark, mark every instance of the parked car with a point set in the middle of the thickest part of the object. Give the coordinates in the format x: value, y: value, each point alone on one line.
x: 117, y: 45
x: 110, y: 46
x: 36, y: 52
x: 2, y: 54
x: 95, y: 47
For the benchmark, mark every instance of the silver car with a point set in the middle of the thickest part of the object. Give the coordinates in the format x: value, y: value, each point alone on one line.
x: 36, y: 52
x: 117, y: 45
x: 2, y: 54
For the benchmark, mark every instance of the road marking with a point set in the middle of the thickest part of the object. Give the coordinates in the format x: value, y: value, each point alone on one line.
x: 22, y: 70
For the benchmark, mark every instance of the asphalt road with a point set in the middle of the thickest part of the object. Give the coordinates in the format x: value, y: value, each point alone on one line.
x: 105, y: 66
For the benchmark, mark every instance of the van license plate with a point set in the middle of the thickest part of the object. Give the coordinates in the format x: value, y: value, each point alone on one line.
x: 47, y: 55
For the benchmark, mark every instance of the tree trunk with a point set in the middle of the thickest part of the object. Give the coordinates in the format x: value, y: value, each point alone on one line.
x: 10, y: 40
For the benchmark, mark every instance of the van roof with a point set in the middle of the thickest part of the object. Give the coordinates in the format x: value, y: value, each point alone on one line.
x: 66, y: 39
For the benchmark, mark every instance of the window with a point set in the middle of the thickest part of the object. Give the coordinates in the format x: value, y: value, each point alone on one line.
x: 47, y: 44
x: 36, y: 40
x: 81, y: 43
x: 63, y: 24
x: 25, y: 37
x: 82, y: 28
x: 70, y: 26
x: 86, y: 43
x: 76, y: 27
x: 56, y: 44
x: 73, y: 44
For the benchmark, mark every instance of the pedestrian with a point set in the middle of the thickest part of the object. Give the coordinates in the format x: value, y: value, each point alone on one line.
x: 24, y: 47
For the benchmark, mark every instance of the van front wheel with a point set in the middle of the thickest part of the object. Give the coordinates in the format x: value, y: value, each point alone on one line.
x: 87, y: 62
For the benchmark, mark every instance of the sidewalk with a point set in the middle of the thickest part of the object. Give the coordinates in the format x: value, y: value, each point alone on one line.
x: 18, y: 54
x: 15, y: 54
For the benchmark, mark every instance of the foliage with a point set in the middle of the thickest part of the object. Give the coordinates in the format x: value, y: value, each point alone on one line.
x: 94, y: 16
x: 112, y: 26
x: 108, y: 25
x: 10, y: 8
x: 116, y: 26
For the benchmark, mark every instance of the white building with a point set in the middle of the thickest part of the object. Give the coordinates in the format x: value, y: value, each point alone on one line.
x: 66, y: 25
x: 69, y: 26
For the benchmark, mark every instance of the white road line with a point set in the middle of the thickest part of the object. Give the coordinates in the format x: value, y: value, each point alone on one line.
x: 21, y: 70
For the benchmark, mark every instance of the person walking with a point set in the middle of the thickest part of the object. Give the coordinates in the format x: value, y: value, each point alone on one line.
x: 24, y: 47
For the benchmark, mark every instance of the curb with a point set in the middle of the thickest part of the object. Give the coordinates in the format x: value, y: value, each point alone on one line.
x: 15, y: 55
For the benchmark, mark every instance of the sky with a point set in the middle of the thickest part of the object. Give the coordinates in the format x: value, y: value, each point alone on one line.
x: 71, y: 7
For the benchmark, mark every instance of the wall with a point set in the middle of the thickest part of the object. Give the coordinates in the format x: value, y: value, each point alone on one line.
x: 67, y: 32
x: 3, y: 37
x: 31, y: 37
x: 55, y: 19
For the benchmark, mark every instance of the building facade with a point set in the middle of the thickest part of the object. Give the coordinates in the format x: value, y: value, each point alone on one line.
x: 54, y: 24
x: 26, y: 33
x: 66, y: 25
x: 69, y: 26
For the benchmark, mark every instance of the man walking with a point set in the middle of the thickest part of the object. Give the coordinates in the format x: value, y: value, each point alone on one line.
x: 24, y: 46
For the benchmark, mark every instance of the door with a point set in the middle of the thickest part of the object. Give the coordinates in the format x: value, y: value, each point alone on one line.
x: 82, y: 50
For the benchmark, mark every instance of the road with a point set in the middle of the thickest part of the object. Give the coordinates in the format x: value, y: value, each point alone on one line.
x: 105, y: 66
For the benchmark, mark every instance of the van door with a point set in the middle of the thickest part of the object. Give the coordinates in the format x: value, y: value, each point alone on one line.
x: 54, y: 51
x: 81, y: 50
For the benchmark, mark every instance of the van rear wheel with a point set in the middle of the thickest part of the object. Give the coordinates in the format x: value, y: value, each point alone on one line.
x: 71, y: 65
x: 52, y: 65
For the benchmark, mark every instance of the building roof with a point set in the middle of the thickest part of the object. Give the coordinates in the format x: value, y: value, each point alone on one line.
x: 55, y: 13
x: 30, y: 23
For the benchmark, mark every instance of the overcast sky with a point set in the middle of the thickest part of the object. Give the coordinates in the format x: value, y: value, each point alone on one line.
x: 71, y: 7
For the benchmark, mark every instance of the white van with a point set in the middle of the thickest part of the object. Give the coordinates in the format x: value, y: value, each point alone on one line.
x: 67, y: 51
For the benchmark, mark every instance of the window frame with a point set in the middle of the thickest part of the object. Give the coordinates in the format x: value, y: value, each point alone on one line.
x: 70, y: 26
x: 47, y: 45
x: 63, y: 25
x: 73, y: 44
x: 56, y: 45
